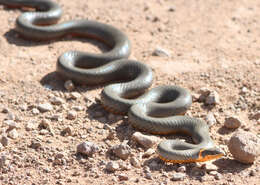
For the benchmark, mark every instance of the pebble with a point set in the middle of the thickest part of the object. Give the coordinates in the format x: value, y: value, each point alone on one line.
x: 178, y: 176
x: 148, y: 175
x: 44, y: 124
x: 217, y: 175
x: 35, y: 111
x: 148, y: 153
x: 11, y: 124
x: 56, y: 100
x: 204, y: 92
x: 77, y: 108
x: 69, y: 85
x: 122, y: 151
x: 3, y: 161
x: 87, y: 148
x: 68, y: 131
x: 5, y: 110
x: 112, y: 166
x: 45, y: 107
x: 161, y: 52
x: 145, y: 140
x: 124, y: 166
x: 232, y: 122
x: 181, y: 169
x: 244, y: 146
x: 13, y: 134
x: 72, y: 115
x: 212, y: 98
x: 209, y: 166
x: 256, y: 116
x: 135, y: 162
x: 35, y: 144
x: 44, y: 132
x: 122, y: 177
x: 30, y: 125
x: 210, y: 119
x: 75, y: 95
x: 4, y: 140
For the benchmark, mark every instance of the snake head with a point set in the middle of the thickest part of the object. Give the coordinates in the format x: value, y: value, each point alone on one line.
x: 210, y: 153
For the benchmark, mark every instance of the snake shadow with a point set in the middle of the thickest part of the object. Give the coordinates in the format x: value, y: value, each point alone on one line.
x: 227, y: 165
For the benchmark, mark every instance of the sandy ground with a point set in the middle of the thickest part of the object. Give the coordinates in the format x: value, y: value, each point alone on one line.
x: 211, y: 43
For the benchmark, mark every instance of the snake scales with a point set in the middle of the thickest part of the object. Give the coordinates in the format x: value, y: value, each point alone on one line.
x: 153, y: 111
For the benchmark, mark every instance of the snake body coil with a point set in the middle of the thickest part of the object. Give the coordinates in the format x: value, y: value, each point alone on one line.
x: 152, y: 111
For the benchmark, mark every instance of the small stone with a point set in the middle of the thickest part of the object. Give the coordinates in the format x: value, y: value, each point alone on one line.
x: 11, y: 125
x: 75, y: 95
x: 204, y: 93
x: 4, y: 140
x: 171, y: 9
x: 148, y: 175
x: 23, y: 107
x: 145, y: 140
x: 122, y: 151
x: 209, y: 166
x: 178, y: 176
x: 212, y: 98
x: 5, y: 110
x: 256, y: 116
x: 87, y: 148
x: 232, y: 122
x: 69, y: 85
x: 244, y: 146
x: 210, y: 119
x: 35, y: 111
x: 35, y: 144
x: 181, y: 169
x: 148, y: 152
x: 122, y: 177
x: 13, y: 134
x: 217, y: 175
x: 161, y: 52
x: 195, y: 97
x: 68, y: 131
x: 112, y: 166
x: 72, y: 115
x: 124, y: 166
x: 3, y: 161
x: 45, y: 107
x: 45, y: 124
x: 77, y: 108
x: 135, y: 162
x: 244, y: 90
x: 56, y: 100
x: 30, y: 126
x: 44, y: 132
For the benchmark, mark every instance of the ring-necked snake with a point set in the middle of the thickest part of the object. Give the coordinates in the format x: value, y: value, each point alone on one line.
x: 153, y: 111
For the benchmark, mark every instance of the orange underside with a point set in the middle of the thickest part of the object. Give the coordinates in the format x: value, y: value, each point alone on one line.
x: 200, y: 159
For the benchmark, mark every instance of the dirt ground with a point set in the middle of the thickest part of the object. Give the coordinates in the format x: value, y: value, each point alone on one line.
x: 213, y: 44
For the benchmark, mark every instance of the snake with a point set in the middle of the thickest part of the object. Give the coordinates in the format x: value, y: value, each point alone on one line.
x: 159, y: 110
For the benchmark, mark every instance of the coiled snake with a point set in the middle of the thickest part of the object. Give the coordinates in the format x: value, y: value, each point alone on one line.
x: 153, y: 111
